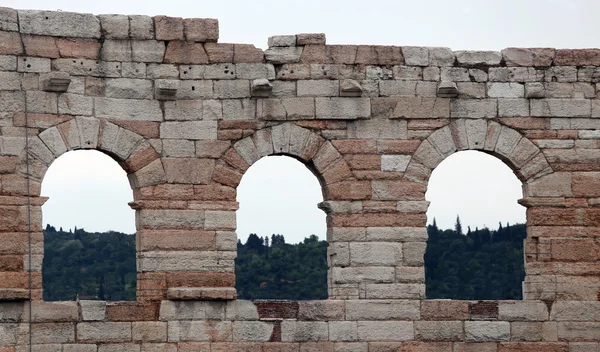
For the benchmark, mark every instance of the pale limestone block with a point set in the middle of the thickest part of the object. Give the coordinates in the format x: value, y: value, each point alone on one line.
x: 218, y: 219
x: 375, y: 253
x: 255, y: 71
x: 60, y: 24
x: 191, y: 89
x: 473, y: 58
x: 339, y: 254
x: 385, y: 331
x: 114, y: 26
x: 431, y: 74
x: 38, y: 149
x: 33, y: 64
x: 428, y: 155
x: 141, y: 27
x: 513, y: 108
x: 343, y: 331
x: 158, y: 261
x: 439, y: 56
x: 282, y: 40
x: 298, y: 108
x: 412, y: 207
x: 454, y: 74
x: 362, y: 274
x: 128, y: 88
x: 182, y: 310
x: 192, y: 71
x: 383, y: 310
x: 132, y: 70
x: 485, y: 331
x: 410, y: 274
x: 200, y: 331
x: 12, y: 312
x: 525, y: 331
x: 103, y: 331
x: 283, y: 55
x: 252, y: 331
x: 575, y: 311
x: 75, y: 104
x: 241, y: 310
x: 439, y: 330
x: 471, y: 90
x: 80, y: 348
x: 395, y: 291
x: 413, y: 253
x: 399, y: 234
x: 283, y: 89
x: 8, y: 63
x: 522, y: 311
x: 583, y: 346
x: 474, y: 108
x: 569, y: 90
x: 42, y: 102
x: 116, y: 50
x: 556, y: 143
x: 420, y: 107
x: 506, y: 90
x: 442, y: 141
x: 92, y: 310
x: 170, y: 218
x: 523, y: 152
x: 147, y: 51
x: 10, y: 81
x: 561, y: 74
x: 280, y: 135
x: 85, y: 67
x: 53, y: 333
x: 301, y: 331
x: 157, y: 71
x: 220, y: 71
x: 408, y: 73
x: 478, y: 75
x: 343, y: 108
x: 149, y: 175
x: 394, y: 163
x: 340, y: 207
x: 346, y: 234
x: 378, y: 129
x: 126, y: 143
x: 561, y: 108
x: 119, y: 347
x: 53, y: 140
x: 573, y: 331
x: 535, y: 90
x: 239, y: 109
x: 9, y: 20
x: 178, y: 148
x: 395, y: 88
x: 44, y: 312
x: 182, y: 110
x: 193, y: 130
x: 507, y: 141
x: 377, y: 73
x: 415, y: 56
x: 232, y: 89
x: 318, y: 88
x: 128, y: 109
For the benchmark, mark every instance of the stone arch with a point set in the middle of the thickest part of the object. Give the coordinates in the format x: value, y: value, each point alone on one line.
x: 318, y: 154
x: 132, y: 151
x: 525, y: 159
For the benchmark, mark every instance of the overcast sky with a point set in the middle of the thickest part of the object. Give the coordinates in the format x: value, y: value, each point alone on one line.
x: 467, y: 24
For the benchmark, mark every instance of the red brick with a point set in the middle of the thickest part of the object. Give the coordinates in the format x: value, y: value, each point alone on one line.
x: 238, y: 124
x: 426, y: 347
x: 146, y: 129
x: 204, y: 279
x: 165, y: 191
x: 341, y: 54
x: 10, y: 279
x: 339, y: 171
x: 201, y: 29
x: 389, y: 55
x: 349, y: 190
x: 562, y: 231
x: 141, y: 158
x: 193, y: 347
x: 533, y: 346
x: 277, y: 309
x: 151, y: 286
x: 444, y: 310
x: 310, y: 39
x: 227, y: 135
x: 17, y: 242
x: 219, y: 53
x: 10, y: 43
x: 476, y: 347
x: 227, y: 176
x: 366, y: 55
x: 233, y: 347
x: 314, y: 54
x: 537, y: 57
x: 356, y: 146
x: 185, y: 53
x: 377, y: 175
x: 569, y: 250
x: 132, y: 311
x: 563, y: 216
x: 214, y: 191
x: 247, y: 53
x: 586, y: 184
x: 483, y: 310
x: 79, y: 48
x: 527, y: 123
x: 11, y: 263
x: 232, y: 158
x: 577, y: 57
x: 397, y: 146
x: 398, y: 190
x: 8, y: 164
x: 427, y: 124
x: 42, y: 46
x: 168, y: 28
x: 363, y: 162
x: 211, y: 149
x: 379, y: 220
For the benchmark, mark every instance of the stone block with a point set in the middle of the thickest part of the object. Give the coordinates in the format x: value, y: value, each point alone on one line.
x: 454, y: 74
x: 318, y: 88
x: 255, y: 71
x: 104, y: 332
x: 525, y: 331
x: 505, y: 90
x: 232, y: 89
x: 201, y: 29
x: 474, y: 58
x: 397, y: 88
x: 188, y: 170
x: 149, y: 331
x: 33, y: 64
x: 11, y: 43
x: 474, y: 108
x: 185, y: 53
x: 382, y: 310
x: 193, y: 130
x: 200, y: 331
x: 155, y: 71
x: 373, y: 253
x: 561, y: 108
x: 378, y: 129
x: 59, y: 24
x: 395, y: 291
x: 343, y: 331
x: 439, y: 330
x: 536, y: 57
x: 343, y: 108
x: 394, y: 163
x: 252, y: 330
x: 362, y: 274
x: 92, y: 310
x: 575, y: 311
x: 283, y: 55
x: 385, y: 331
x: 485, y: 331
x: 147, y: 51
x: 513, y: 108
x: 441, y: 56
x: 310, y: 39
x: 415, y: 56
x: 301, y: 331
x: 282, y: 40
x: 522, y: 311
x: 127, y: 109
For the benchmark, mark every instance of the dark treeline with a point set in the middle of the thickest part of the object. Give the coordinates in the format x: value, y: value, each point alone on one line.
x: 88, y: 265
x: 476, y: 264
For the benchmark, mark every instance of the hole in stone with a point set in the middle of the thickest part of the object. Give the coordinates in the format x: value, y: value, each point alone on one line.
x: 185, y: 72
x: 28, y: 65
x: 193, y: 88
x: 46, y: 17
x: 89, y: 239
x: 476, y: 230
x: 282, y: 252
x: 291, y: 71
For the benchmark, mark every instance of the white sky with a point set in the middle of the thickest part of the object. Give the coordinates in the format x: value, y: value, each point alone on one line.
x: 467, y: 24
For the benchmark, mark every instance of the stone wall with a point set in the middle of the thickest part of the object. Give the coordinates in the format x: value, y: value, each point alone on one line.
x: 186, y: 116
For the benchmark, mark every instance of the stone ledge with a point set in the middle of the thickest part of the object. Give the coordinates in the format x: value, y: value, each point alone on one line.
x: 10, y: 294
x: 205, y: 293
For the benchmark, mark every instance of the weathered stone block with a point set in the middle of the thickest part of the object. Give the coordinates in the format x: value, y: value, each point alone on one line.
x: 484, y: 331
x: 60, y: 24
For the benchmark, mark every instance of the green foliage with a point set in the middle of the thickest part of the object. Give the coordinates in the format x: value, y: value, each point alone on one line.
x: 482, y: 264
x: 281, y: 270
x: 88, y: 265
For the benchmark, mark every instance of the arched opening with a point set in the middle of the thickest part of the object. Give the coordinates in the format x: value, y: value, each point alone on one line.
x: 476, y: 229
x: 89, y: 236
x: 282, y: 252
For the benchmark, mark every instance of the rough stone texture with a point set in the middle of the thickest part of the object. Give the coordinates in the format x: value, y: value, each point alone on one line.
x: 367, y: 120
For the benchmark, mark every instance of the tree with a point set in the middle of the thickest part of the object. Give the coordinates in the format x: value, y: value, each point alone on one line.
x: 458, y: 226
